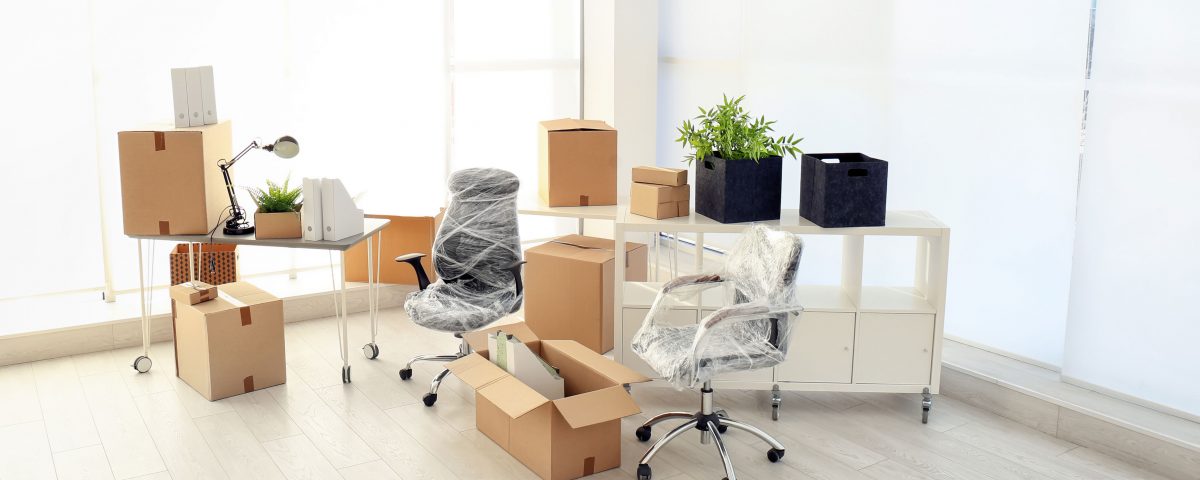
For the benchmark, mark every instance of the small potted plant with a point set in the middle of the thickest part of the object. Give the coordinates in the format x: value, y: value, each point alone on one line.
x: 278, y: 214
x: 739, y: 166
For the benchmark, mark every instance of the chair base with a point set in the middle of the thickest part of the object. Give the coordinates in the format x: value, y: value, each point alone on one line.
x: 711, y: 424
x: 406, y: 373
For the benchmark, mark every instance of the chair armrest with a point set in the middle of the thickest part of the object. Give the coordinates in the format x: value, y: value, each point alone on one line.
x: 737, y: 313
x: 677, y: 282
x: 515, y: 269
x: 414, y: 259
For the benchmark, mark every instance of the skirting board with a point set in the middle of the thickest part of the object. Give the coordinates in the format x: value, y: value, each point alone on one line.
x: 127, y: 333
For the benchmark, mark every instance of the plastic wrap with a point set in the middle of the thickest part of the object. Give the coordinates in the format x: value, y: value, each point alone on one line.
x: 476, y: 243
x: 753, y: 329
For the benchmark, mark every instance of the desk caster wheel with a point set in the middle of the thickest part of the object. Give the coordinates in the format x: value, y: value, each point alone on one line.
x: 142, y: 364
x: 926, y: 404
x: 429, y: 399
x: 405, y: 373
x: 643, y: 434
x: 346, y: 374
x: 774, y: 454
x: 371, y: 351
x: 643, y: 472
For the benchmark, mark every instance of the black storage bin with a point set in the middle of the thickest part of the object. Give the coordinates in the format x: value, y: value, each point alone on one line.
x: 851, y: 193
x: 733, y: 191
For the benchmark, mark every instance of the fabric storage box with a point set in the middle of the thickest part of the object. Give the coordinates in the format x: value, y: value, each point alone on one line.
x: 577, y: 163
x: 562, y: 439
x: 568, y: 288
x: 735, y: 191
x: 230, y: 345
x: 214, y: 264
x: 851, y: 192
x: 170, y: 182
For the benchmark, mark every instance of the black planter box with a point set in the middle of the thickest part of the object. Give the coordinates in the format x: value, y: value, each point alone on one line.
x: 852, y: 193
x: 733, y: 191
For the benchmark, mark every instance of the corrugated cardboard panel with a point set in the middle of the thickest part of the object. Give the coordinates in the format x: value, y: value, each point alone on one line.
x: 584, y: 451
x: 475, y: 370
x: 512, y: 396
x: 531, y: 441
x: 602, y: 405
x: 403, y: 235
x: 478, y: 339
x: 575, y: 124
x: 660, y: 175
x: 170, y: 182
x: 577, y: 163
x: 491, y: 421
x: 617, y: 373
x: 191, y: 349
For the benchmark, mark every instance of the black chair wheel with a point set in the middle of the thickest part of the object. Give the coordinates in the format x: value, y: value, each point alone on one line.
x: 429, y: 399
x: 405, y: 373
x: 643, y: 472
x: 643, y: 434
x: 774, y: 454
x: 722, y: 428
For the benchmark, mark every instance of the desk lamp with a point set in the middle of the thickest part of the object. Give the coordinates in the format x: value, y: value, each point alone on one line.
x: 284, y: 147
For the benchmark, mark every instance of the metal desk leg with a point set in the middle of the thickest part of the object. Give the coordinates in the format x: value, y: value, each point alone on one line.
x: 192, y: 267
x: 371, y: 350
x: 699, y: 253
x: 580, y: 226
x: 343, y: 324
x: 143, y: 363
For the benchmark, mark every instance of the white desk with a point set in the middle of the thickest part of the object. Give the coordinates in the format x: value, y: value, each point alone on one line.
x: 535, y: 206
x: 372, y: 233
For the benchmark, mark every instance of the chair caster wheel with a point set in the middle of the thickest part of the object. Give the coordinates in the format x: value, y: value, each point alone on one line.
x: 429, y: 399
x: 405, y: 373
x: 643, y: 434
x: 722, y: 428
x: 371, y: 351
x: 142, y: 364
x: 774, y: 455
x: 643, y: 472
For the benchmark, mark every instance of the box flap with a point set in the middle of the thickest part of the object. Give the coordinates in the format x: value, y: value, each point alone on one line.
x: 583, y: 244
x: 566, y: 124
x: 596, y: 406
x: 617, y: 373
x: 476, y: 371
x: 478, y: 339
x: 512, y: 396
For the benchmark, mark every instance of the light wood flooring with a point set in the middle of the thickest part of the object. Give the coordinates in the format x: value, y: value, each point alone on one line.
x: 92, y: 417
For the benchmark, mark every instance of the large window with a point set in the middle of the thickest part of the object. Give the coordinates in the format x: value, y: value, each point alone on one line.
x: 388, y: 96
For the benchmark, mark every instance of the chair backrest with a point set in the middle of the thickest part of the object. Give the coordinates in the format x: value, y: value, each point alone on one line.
x: 762, y: 266
x: 478, y: 236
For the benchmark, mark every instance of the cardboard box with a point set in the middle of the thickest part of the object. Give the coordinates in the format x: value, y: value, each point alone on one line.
x: 569, y: 288
x: 277, y: 225
x: 403, y: 235
x: 659, y: 201
x: 214, y: 264
x: 170, y: 182
x: 230, y: 345
x: 197, y: 292
x: 577, y: 163
x: 672, y: 177
x: 571, y: 437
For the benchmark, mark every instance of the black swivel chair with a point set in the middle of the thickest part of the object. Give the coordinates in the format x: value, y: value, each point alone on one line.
x: 477, y: 256
x: 751, y: 333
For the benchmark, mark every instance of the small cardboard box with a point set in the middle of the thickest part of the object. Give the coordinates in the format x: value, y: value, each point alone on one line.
x: 403, y: 235
x: 569, y: 288
x: 659, y: 201
x: 170, y: 182
x: 577, y: 163
x: 572, y: 437
x: 230, y: 345
x: 277, y: 225
x: 197, y: 292
x: 671, y: 177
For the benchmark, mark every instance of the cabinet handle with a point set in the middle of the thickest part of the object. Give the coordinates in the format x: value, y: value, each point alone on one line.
x: 846, y: 349
x: 924, y: 350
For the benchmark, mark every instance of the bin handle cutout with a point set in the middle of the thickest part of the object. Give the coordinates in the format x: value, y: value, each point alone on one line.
x: 856, y: 172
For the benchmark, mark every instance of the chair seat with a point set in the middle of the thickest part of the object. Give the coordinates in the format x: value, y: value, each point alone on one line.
x: 738, y: 349
x: 455, y: 307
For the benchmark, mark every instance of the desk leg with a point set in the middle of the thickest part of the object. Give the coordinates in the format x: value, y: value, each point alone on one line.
x: 343, y: 323
x: 618, y: 292
x: 192, y: 267
x: 580, y: 227
x: 699, y: 253
x: 371, y: 350
x: 143, y: 363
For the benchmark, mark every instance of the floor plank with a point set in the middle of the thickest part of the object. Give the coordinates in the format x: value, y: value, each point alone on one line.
x: 25, y: 452
x: 130, y: 448
x: 86, y: 463
x: 18, y: 395
x: 183, y: 448
x: 236, y: 448
x: 69, y: 423
x: 377, y: 470
x: 299, y: 459
x: 327, y: 432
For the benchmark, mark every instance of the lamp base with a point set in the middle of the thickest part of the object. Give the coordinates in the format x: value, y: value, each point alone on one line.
x: 238, y: 227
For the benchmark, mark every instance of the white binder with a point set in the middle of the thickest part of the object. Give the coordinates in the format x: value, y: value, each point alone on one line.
x: 509, y: 353
x: 208, y: 95
x: 310, y: 210
x: 338, y: 213
x: 179, y: 96
x: 195, y: 98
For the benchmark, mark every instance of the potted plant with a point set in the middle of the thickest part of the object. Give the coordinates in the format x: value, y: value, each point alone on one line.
x: 739, y: 166
x: 278, y: 214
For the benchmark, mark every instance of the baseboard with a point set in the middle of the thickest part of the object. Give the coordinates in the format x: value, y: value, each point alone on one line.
x: 127, y: 332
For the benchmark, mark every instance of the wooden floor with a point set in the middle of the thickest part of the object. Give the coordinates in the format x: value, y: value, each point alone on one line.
x: 91, y: 416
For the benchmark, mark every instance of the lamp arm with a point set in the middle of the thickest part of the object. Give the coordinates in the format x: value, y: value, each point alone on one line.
x: 253, y: 145
x: 233, y: 203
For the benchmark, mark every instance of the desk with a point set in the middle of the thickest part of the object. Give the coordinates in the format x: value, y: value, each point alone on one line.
x: 535, y: 206
x: 372, y: 233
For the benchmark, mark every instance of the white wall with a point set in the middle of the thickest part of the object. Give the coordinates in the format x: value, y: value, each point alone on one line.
x: 1133, y: 325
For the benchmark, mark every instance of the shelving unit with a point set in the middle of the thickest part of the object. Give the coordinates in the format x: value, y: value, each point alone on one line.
x: 850, y: 338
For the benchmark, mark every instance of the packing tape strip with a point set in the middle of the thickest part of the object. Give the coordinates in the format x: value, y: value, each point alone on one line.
x: 245, y: 309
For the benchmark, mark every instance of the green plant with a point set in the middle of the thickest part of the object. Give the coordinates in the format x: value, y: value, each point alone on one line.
x: 276, y: 198
x: 728, y: 131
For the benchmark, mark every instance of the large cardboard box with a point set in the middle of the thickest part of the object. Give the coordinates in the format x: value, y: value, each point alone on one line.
x: 577, y: 163
x: 403, y: 235
x: 170, y: 182
x: 572, y: 437
x: 569, y: 288
x: 659, y: 201
x: 230, y: 345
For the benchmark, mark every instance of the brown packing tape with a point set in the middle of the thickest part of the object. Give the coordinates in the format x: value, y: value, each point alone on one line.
x: 248, y: 384
x: 164, y: 227
x: 245, y: 316
x: 589, y: 466
x: 160, y: 141
x: 583, y: 200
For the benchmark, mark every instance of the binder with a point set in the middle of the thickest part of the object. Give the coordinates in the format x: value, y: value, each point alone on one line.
x: 340, y: 217
x: 310, y: 210
x: 509, y: 353
x: 179, y: 96
x: 208, y: 95
x: 195, y: 99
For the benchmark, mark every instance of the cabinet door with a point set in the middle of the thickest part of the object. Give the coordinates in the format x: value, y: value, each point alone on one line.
x: 633, y: 318
x: 893, y: 348
x: 760, y: 375
x: 821, y: 349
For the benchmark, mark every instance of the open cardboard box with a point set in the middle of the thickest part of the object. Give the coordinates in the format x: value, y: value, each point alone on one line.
x: 571, y: 437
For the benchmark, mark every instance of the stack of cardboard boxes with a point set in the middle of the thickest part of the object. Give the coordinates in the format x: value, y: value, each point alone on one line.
x: 659, y: 192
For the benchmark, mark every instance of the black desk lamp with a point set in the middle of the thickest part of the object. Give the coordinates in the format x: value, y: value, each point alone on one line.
x: 284, y: 147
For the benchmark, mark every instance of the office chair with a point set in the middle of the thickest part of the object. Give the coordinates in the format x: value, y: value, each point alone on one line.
x: 477, y: 256
x: 751, y: 333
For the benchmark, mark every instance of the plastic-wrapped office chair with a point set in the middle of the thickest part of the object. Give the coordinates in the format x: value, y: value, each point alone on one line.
x: 751, y: 333
x: 477, y: 256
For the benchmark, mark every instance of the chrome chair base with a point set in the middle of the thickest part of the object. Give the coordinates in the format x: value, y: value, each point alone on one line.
x: 406, y: 373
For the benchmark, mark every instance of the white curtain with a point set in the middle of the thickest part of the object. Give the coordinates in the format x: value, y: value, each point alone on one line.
x: 1133, y: 324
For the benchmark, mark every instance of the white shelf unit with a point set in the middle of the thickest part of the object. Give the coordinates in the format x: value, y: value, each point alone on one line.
x: 850, y: 338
